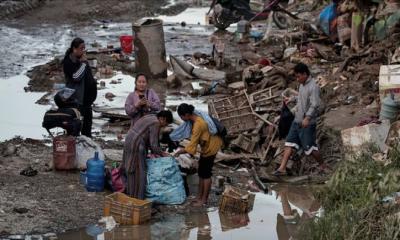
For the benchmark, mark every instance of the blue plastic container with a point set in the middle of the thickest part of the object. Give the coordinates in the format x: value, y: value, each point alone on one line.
x: 95, y: 174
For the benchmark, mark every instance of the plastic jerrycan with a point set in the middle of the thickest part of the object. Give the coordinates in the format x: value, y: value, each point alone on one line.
x: 95, y: 174
x: 389, y: 109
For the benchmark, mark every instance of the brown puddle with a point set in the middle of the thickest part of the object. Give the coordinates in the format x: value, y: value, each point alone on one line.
x: 276, y: 215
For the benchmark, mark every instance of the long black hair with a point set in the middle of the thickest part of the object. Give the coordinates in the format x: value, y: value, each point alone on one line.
x: 167, y: 115
x: 185, y: 108
x: 74, y: 44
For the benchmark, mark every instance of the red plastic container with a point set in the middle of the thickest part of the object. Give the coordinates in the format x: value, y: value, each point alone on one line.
x: 64, y: 152
x: 126, y: 44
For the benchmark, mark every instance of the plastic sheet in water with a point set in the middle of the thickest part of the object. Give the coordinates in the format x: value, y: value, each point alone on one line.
x: 94, y: 230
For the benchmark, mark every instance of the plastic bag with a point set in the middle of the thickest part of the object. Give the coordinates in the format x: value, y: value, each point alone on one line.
x: 164, y: 181
x: 117, y: 179
x: 85, y: 149
x: 327, y: 15
x: 285, y: 121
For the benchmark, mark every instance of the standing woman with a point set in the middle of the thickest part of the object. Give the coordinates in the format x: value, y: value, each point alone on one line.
x: 209, y: 144
x: 144, y: 135
x: 141, y: 101
x: 78, y: 76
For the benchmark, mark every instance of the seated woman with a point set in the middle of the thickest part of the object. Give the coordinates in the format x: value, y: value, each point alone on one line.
x: 210, y: 145
x: 143, y: 136
x: 141, y: 101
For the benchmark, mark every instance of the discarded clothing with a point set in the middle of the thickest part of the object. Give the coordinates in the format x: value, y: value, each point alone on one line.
x: 184, y: 131
x: 369, y: 120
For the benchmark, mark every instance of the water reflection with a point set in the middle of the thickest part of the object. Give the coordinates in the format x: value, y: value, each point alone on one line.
x: 277, y: 215
x: 292, y: 199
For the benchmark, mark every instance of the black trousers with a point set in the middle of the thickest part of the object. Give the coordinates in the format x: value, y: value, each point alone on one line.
x: 87, y: 114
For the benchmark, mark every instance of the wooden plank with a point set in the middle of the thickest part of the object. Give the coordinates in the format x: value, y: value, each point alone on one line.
x: 264, y: 158
x: 112, y: 112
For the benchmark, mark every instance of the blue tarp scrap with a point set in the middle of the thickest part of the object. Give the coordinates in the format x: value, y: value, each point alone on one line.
x: 327, y: 15
x: 164, y: 181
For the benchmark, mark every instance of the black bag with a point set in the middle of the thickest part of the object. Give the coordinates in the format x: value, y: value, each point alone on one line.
x: 285, y: 121
x: 66, y: 118
x: 65, y: 98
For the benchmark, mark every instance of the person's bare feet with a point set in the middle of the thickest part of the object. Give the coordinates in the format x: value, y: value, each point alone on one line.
x: 195, y: 199
x: 199, y: 203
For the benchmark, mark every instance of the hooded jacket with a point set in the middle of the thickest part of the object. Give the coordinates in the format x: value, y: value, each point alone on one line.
x: 78, y: 76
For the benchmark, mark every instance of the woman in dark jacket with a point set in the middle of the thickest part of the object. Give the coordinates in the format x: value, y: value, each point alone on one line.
x: 78, y: 76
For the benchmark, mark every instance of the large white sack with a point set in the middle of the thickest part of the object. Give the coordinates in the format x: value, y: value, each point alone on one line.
x: 85, y: 149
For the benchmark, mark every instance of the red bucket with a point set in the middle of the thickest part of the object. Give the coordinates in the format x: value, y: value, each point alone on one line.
x: 126, y: 44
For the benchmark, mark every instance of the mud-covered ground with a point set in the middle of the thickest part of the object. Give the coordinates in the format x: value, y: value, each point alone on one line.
x: 47, y: 202
x: 34, y: 12
x: 55, y: 201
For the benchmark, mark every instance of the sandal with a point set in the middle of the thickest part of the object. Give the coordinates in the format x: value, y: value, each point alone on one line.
x: 279, y: 173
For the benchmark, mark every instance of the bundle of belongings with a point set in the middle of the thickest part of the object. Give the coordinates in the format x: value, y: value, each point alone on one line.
x: 66, y: 116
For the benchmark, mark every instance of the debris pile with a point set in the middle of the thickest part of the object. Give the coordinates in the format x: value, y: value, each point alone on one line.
x: 346, y: 66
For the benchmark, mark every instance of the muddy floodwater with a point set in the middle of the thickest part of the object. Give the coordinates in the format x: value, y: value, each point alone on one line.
x: 277, y: 215
x: 38, y: 45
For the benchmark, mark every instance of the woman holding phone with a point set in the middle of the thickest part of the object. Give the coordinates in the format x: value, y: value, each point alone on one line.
x: 142, y: 100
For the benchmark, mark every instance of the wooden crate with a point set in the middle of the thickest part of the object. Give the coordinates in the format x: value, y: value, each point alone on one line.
x: 236, y: 200
x: 137, y: 232
x: 264, y: 95
x: 244, y: 143
x: 127, y: 210
x: 239, y: 124
x: 218, y: 106
x: 235, y: 112
x: 233, y: 221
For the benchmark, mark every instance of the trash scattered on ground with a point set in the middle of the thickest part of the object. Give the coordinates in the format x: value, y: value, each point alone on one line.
x: 29, y: 172
x: 244, y: 84
x: 21, y: 210
x: 392, y: 198
x: 109, y: 222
